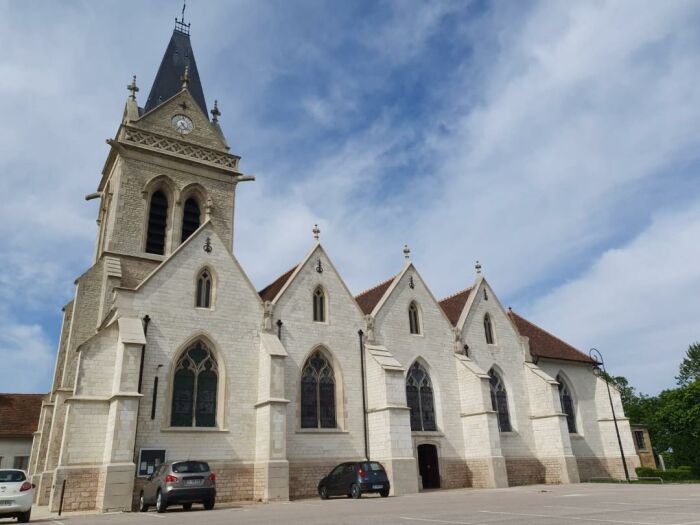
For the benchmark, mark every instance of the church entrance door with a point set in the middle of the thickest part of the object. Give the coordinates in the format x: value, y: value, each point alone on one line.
x: 428, y: 466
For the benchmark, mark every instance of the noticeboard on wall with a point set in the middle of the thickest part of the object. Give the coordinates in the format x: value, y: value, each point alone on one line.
x: 149, y: 460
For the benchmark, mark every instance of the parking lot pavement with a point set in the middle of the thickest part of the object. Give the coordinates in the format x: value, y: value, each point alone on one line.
x: 593, y: 504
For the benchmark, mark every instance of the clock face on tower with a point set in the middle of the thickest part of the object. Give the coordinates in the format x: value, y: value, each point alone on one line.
x: 182, y: 124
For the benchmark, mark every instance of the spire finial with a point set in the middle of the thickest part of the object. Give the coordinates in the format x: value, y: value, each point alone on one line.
x: 133, y: 88
x: 185, y: 78
x: 316, y: 231
x: 477, y: 267
x: 180, y: 25
x: 406, y: 252
x: 215, y: 113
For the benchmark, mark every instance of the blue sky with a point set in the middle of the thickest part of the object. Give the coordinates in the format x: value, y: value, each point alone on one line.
x: 556, y: 142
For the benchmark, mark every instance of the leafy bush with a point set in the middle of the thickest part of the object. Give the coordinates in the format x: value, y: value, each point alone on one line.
x: 673, y: 474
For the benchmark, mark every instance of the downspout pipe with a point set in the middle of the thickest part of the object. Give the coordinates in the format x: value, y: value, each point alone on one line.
x: 146, y: 320
x: 361, y: 334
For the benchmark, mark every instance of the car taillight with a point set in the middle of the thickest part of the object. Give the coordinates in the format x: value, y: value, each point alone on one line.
x: 212, y: 477
x: 170, y: 479
x: 25, y: 487
x: 361, y: 473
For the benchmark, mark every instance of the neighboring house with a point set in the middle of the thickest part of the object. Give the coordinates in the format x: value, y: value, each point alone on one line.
x: 168, y: 351
x: 19, y: 419
x: 643, y: 446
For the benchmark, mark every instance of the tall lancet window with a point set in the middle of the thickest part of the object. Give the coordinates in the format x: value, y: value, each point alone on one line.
x: 319, y: 305
x: 157, y: 223
x: 567, y: 404
x: 190, y: 218
x: 499, y: 401
x: 204, y: 286
x: 413, y: 318
x: 419, y: 398
x: 195, y: 385
x: 317, y: 393
x: 488, y: 329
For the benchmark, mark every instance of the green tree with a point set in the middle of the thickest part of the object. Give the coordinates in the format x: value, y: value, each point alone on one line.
x: 689, y: 369
x: 676, y: 424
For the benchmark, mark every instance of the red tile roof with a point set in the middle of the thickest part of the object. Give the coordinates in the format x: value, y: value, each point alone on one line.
x: 19, y: 414
x: 271, y: 290
x: 369, y: 298
x: 454, y: 304
x: 544, y: 344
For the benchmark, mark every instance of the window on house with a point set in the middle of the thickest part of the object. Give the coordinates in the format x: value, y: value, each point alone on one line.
x: 195, y: 388
x: 413, y: 318
x: 21, y: 463
x: 639, y: 439
x: 319, y: 305
x: 157, y: 222
x: 317, y: 393
x: 567, y: 404
x: 488, y: 329
x: 419, y: 398
x: 499, y: 401
x: 204, y: 285
x: 190, y: 218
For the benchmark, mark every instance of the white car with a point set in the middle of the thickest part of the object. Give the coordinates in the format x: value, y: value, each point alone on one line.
x: 16, y: 495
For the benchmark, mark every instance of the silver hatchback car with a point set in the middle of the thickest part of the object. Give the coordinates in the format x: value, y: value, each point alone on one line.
x: 179, y: 483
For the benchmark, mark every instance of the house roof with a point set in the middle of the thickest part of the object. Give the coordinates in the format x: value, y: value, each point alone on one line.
x: 544, y: 344
x: 271, y: 290
x: 19, y: 414
x: 368, y: 299
x: 454, y: 304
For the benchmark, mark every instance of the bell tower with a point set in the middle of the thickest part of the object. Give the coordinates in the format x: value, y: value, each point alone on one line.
x: 169, y: 168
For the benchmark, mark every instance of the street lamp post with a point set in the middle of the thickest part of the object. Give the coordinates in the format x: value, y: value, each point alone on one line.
x: 598, y: 358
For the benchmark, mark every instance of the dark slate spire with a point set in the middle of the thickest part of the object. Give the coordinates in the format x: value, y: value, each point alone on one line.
x: 168, y: 81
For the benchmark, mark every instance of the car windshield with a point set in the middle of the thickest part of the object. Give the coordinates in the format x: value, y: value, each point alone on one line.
x: 371, y: 466
x: 190, y: 467
x: 9, y: 476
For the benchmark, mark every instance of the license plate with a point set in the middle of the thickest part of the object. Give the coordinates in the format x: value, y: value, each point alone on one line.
x: 190, y: 482
x: 6, y: 503
x: 377, y: 486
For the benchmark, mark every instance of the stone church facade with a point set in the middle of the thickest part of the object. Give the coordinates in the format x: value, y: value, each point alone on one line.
x: 168, y: 351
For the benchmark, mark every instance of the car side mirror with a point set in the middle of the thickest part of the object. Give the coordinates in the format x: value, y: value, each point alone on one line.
x: 33, y: 486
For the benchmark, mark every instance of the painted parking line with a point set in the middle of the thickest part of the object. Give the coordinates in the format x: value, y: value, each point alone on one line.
x: 560, y: 518
x: 430, y: 520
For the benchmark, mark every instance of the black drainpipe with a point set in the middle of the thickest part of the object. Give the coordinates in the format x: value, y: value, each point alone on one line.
x: 279, y: 329
x: 364, y: 392
x: 146, y: 320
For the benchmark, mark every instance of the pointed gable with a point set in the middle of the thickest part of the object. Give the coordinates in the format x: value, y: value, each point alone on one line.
x: 544, y: 344
x: 271, y: 290
x: 178, y: 55
x: 454, y: 305
x: 368, y: 299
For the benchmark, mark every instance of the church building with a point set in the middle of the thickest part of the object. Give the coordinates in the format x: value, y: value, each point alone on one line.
x: 168, y: 351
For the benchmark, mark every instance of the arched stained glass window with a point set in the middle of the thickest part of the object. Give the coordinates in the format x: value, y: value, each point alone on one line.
x: 157, y: 223
x: 319, y: 305
x: 317, y: 393
x: 499, y: 401
x: 488, y: 329
x: 419, y: 398
x: 413, y: 318
x: 567, y: 404
x: 195, y: 386
x: 204, y: 285
x: 190, y: 218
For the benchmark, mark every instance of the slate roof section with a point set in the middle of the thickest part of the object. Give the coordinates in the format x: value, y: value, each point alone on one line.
x: 454, y: 304
x: 544, y: 344
x: 167, y: 83
x: 271, y: 290
x: 367, y: 300
x: 19, y: 414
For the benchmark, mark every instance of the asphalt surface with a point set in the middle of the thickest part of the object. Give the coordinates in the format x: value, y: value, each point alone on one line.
x: 581, y: 504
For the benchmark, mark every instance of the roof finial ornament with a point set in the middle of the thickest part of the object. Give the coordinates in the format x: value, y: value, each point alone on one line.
x: 133, y: 88
x: 316, y: 231
x: 406, y: 252
x: 477, y: 267
x: 185, y: 78
x: 215, y: 113
x: 180, y: 25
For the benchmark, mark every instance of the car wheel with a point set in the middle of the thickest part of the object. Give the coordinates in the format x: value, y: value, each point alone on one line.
x: 355, y: 491
x: 209, y: 504
x: 323, y: 492
x: 384, y: 493
x: 142, y: 504
x: 187, y: 506
x: 161, y: 505
x: 24, y: 517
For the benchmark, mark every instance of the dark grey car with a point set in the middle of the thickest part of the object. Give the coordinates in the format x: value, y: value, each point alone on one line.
x: 179, y: 483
